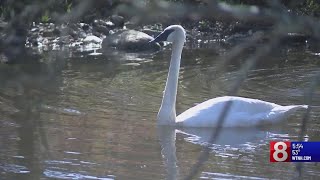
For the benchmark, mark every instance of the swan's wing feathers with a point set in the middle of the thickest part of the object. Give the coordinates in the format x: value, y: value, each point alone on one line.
x: 239, y: 104
x: 241, y: 112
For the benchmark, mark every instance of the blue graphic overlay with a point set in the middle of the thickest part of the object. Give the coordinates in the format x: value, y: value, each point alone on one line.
x: 305, y: 151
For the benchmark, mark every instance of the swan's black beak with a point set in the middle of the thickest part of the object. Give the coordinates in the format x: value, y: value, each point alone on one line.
x: 162, y: 36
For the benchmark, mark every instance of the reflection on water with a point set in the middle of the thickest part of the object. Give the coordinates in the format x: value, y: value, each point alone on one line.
x: 94, y: 118
x: 167, y: 139
x: 228, y: 137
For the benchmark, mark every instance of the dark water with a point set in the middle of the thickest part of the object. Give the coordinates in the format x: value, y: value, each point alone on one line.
x: 95, y: 118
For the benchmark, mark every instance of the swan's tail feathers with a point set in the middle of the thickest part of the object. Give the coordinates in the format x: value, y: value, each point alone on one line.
x: 290, y: 108
x: 282, y: 112
x: 296, y: 107
x: 304, y: 106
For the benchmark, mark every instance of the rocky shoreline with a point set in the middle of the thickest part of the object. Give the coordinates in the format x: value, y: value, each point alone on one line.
x: 116, y: 33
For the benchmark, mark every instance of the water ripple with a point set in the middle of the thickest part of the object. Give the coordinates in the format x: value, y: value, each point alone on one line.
x: 14, y: 168
x: 76, y: 176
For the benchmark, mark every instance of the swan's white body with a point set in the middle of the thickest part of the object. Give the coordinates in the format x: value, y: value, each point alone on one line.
x: 242, y: 112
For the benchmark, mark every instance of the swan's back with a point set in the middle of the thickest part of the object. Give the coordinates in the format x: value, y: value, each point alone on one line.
x: 242, y: 112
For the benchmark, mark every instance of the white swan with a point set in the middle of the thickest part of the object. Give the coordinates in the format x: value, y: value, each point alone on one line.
x: 243, y: 111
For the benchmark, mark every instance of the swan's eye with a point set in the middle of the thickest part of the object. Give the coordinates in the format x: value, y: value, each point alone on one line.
x: 164, y: 35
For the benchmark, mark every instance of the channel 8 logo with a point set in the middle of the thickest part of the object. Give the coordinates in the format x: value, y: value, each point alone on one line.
x: 280, y: 151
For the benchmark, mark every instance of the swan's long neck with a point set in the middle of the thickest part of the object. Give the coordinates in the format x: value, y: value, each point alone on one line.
x: 167, y: 112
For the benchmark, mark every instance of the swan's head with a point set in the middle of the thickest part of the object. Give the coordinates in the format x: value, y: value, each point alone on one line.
x: 173, y: 33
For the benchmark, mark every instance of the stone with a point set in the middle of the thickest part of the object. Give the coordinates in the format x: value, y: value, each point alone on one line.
x: 117, y: 20
x: 102, y: 29
x: 92, y: 39
x: 85, y: 26
x: 151, y: 32
x: 131, y: 41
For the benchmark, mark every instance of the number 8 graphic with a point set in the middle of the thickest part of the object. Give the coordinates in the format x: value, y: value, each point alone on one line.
x: 280, y: 151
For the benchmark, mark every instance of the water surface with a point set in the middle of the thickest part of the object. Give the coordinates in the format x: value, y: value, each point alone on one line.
x: 95, y: 117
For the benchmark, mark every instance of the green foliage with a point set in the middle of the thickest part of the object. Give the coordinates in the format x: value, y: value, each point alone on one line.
x: 313, y: 7
x: 5, y: 11
x: 204, y: 24
x: 68, y: 6
x: 45, y: 17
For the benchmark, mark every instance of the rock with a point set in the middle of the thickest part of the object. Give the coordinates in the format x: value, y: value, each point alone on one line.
x: 117, y: 20
x: 85, y: 26
x: 98, y: 22
x: 92, y: 39
x: 34, y: 29
x: 32, y: 40
x: 110, y: 24
x: 62, y: 40
x: 130, y: 40
x: 102, y: 29
x: 237, y: 38
x: 82, y: 34
x: 96, y: 33
x: 89, y: 18
x: 72, y: 33
x: 51, y: 32
x: 151, y: 32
